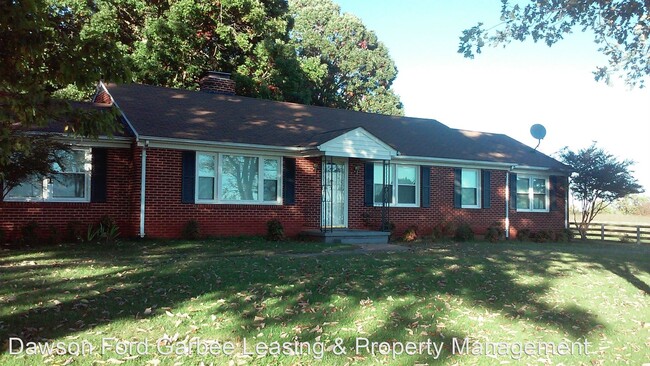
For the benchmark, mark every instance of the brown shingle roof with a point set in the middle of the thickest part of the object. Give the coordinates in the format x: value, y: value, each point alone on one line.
x: 193, y: 115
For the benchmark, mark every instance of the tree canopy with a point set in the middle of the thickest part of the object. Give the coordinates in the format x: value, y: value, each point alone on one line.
x: 46, y: 46
x: 54, y: 49
x: 172, y: 43
x: 599, y: 180
x: 621, y: 30
x: 346, y: 65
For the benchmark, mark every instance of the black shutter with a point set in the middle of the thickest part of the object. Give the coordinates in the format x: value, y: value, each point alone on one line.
x: 513, y: 191
x: 289, y: 181
x: 368, y: 184
x: 458, y: 190
x: 98, y: 186
x: 189, y: 176
x: 425, y: 186
x: 553, y: 192
x: 485, y: 188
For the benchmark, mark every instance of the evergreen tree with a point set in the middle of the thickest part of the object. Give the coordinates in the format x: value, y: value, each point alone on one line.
x: 346, y: 65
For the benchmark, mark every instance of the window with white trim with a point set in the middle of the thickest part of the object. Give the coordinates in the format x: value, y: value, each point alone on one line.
x: 402, y: 184
x: 206, y: 182
x: 232, y: 178
x: 470, y: 188
x: 532, y: 193
x: 69, y: 183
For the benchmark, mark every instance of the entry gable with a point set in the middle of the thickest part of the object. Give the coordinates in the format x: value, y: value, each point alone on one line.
x: 358, y: 143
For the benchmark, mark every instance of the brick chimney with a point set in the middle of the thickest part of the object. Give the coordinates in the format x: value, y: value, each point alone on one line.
x: 217, y: 82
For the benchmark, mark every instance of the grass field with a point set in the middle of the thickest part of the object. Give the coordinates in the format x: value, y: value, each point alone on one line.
x: 151, y: 303
x: 622, y: 219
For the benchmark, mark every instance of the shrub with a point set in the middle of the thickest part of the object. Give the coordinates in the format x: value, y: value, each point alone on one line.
x: 410, y: 234
x: 625, y: 238
x: 91, y: 234
x: 449, y: 229
x: 107, y: 230
x: 464, y: 232
x: 564, y: 236
x: 274, y: 230
x: 107, y: 222
x: 542, y: 236
x: 523, y: 234
x: 29, y: 233
x: 74, y: 232
x: 494, y: 233
x: 569, y: 234
x: 191, y: 230
x: 53, y: 235
x: 437, y: 233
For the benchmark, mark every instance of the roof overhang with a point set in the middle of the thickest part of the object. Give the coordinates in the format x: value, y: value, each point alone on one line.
x: 358, y: 143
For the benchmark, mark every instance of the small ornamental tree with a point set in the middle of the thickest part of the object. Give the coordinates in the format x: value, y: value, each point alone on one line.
x: 598, y: 181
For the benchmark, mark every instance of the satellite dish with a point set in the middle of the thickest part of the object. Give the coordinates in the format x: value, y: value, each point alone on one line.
x: 539, y: 132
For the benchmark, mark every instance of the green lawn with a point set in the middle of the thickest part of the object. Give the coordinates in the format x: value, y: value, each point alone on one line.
x: 143, y: 300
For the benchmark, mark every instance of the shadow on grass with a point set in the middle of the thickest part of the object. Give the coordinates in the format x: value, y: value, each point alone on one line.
x: 105, y: 285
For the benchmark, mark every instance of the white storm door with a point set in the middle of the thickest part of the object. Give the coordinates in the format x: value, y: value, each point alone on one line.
x: 334, y: 212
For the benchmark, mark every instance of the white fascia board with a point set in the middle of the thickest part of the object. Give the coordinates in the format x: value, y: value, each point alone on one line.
x: 532, y: 170
x: 212, y: 146
x: 459, y: 163
x: 137, y: 135
x: 477, y: 164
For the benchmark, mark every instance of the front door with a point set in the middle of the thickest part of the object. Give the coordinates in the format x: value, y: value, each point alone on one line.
x: 334, y: 212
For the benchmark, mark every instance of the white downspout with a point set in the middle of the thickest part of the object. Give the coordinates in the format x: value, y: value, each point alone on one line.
x: 566, y: 204
x: 143, y: 186
x: 507, y: 205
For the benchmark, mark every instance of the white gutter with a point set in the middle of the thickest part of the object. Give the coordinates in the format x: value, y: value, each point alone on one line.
x: 507, y: 223
x: 452, y: 162
x: 189, y: 144
x: 566, y: 205
x: 143, y: 187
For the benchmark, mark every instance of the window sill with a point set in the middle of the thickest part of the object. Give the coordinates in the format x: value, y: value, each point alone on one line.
x: 239, y: 203
x: 45, y: 201
x: 399, y: 205
x: 533, y: 211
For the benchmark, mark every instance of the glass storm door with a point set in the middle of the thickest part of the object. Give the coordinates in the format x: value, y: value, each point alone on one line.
x: 335, y: 194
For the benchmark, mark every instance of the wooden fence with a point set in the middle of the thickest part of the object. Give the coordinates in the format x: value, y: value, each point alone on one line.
x: 627, y: 233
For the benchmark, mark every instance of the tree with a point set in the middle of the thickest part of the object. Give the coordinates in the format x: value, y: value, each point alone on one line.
x: 621, y: 30
x: 46, y: 46
x: 38, y: 161
x: 599, y: 180
x: 634, y: 204
x: 172, y: 44
x: 346, y: 65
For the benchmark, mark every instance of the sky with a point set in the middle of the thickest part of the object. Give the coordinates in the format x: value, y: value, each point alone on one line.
x: 507, y: 90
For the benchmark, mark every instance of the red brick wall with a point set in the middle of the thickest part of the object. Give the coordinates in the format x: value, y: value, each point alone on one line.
x: 536, y: 221
x: 166, y: 215
x: 119, y: 205
x: 442, y: 207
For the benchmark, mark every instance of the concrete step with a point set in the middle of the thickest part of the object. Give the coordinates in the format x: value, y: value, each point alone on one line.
x: 347, y: 236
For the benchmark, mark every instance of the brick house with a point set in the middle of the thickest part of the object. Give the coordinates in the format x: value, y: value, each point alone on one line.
x: 233, y: 163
